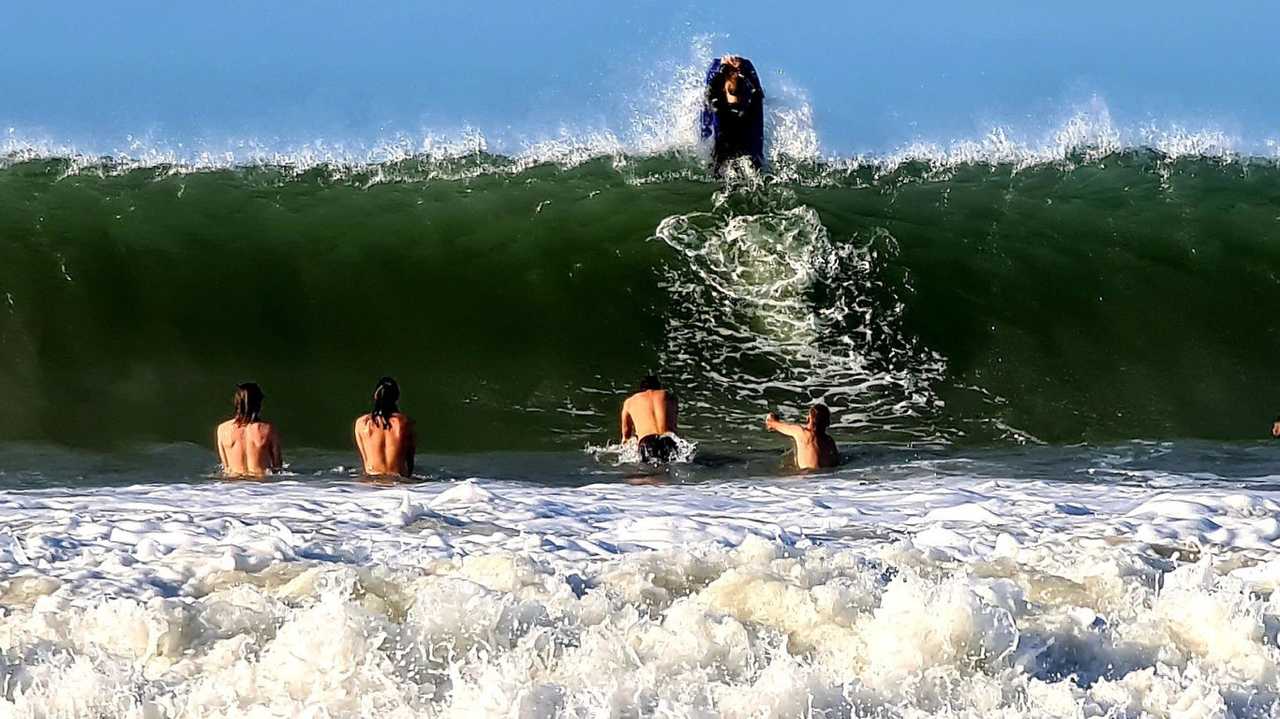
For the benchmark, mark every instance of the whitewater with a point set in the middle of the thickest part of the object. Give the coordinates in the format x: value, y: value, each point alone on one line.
x: 993, y: 320
x: 933, y: 587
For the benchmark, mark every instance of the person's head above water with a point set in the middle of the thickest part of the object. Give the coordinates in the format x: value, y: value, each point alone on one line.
x: 248, y: 402
x: 1275, y: 428
x: 650, y: 382
x: 819, y: 417
x: 386, y: 398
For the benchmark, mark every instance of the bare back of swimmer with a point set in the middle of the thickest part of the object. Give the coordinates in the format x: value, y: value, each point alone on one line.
x: 650, y: 416
x: 248, y: 446
x: 385, y: 436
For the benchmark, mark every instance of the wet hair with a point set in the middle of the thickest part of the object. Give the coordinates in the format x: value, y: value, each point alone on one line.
x: 821, y: 417
x: 385, y: 398
x: 248, y: 402
x: 650, y: 382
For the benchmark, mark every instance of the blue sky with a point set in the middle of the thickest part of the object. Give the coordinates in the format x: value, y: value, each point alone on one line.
x: 878, y: 75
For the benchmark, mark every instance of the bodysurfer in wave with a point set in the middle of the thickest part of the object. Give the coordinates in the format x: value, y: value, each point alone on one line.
x: 248, y: 446
x: 385, y: 436
x: 733, y: 114
x: 650, y: 416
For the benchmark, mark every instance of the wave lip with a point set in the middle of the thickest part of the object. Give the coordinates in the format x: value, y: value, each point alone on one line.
x: 664, y: 123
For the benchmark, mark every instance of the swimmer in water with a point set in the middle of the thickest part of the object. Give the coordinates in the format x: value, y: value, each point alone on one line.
x: 1275, y: 428
x: 385, y: 436
x: 650, y: 416
x: 247, y: 446
x: 814, y: 447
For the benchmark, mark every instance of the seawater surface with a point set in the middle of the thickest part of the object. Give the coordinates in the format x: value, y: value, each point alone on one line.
x: 1130, y: 580
x: 1100, y: 296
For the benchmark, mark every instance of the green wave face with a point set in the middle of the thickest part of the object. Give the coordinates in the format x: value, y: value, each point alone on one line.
x: 1101, y: 299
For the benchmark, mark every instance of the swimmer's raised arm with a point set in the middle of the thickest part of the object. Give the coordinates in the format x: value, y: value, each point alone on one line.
x: 773, y: 424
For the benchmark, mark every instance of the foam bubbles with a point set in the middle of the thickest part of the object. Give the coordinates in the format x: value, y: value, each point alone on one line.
x: 736, y: 599
x: 770, y: 311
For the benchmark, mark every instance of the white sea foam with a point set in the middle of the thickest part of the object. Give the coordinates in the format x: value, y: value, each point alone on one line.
x: 745, y: 324
x: 1085, y: 133
x: 817, y: 597
x: 627, y: 453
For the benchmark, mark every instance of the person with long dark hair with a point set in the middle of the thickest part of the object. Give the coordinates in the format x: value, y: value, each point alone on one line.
x: 248, y: 446
x: 385, y: 436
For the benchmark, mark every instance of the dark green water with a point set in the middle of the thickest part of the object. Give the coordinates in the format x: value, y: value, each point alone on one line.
x: 1095, y: 301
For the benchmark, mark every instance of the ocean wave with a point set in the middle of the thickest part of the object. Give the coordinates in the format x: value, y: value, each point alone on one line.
x: 964, y: 303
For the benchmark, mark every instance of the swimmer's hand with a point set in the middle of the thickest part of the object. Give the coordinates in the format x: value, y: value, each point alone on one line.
x: 770, y: 420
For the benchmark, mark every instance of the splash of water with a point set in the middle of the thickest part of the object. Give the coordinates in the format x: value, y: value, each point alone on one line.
x: 769, y: 309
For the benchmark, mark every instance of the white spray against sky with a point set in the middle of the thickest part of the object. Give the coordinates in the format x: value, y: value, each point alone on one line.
x: 664, y: 119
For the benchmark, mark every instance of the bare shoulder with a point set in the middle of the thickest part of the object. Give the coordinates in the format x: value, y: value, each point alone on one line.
x: 253, y: 431
x: 226, y: 428
x: 362, y: 423
x: 401, y: 421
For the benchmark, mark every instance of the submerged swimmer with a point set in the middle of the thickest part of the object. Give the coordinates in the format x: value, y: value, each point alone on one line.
x: 650, y: 416
x: 385, y: 437
x: 814, y: 447
x: 247, y: 446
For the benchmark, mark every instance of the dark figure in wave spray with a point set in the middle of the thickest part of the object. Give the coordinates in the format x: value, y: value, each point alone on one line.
x: 733, y: 115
